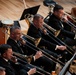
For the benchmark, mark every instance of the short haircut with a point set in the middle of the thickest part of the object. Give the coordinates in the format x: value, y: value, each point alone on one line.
x: 37, y: 16
x: 13, y: 28
x: 2, y: 69
x: 4, y: 48
x: 57, y: 7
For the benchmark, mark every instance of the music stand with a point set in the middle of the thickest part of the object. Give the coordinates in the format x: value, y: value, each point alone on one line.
x: 31, y: 11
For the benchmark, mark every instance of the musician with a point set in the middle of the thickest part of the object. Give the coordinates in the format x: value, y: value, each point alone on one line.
x: 8, y: 62
x: 35, y: 31
x: 20, y: 46
x: 2, y: 71
x: 56, y: 22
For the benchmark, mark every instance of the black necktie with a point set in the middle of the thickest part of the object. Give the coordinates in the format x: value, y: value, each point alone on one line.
x: 20, y: 49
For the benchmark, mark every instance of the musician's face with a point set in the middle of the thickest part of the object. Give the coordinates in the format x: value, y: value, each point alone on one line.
x: 8, y: 54
x: 39, y: 22
x: 16, y: 35
x: 60, y: 13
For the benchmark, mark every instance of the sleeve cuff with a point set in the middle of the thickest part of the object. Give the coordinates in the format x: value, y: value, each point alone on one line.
x: 56, y: 47
x: 34, y: 58
x: 28, y: 73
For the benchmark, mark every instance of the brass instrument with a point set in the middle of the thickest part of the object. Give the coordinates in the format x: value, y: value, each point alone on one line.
x: 27, y: 58
x: 58, y: 40
x: 56, y: 32
x: 50, y: 57
x: 29, y: 16
x: 28, y: 19
x: 36, y: 41
x: 69, y: 22
x: 72, y: 17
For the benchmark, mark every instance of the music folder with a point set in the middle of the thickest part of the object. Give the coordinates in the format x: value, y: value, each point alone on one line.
x: 31, y: 11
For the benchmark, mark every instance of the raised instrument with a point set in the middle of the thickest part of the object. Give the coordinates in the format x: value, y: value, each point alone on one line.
x: 69, y: 22
x: 50, y: 57
x: 25, y: 57
x: 29, y: 18
x: 59, y: 42
x: 22, y: 59
x: 71, y: 17
x: 35, y: 41
x: 56, y: 32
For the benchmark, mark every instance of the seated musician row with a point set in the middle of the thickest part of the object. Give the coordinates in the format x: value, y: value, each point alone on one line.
x: 20, y: 45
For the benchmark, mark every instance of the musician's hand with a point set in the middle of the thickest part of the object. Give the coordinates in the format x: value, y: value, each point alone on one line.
x: 61, y: 47
x: 23, y: 42
x: 14, y: 59
x: 31, y: 71
x: 65, y: 19
x: 45, y: 31
x: 38, y: 54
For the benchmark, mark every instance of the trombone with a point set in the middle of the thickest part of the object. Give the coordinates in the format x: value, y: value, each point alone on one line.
x: 23, y: 59
x: 35, y: 41
x: 50, y: 57
x: 28, y: 18
x: 69, y: 22
x: 70, y: 16
x: 56, y: 32
x: 57, y: 40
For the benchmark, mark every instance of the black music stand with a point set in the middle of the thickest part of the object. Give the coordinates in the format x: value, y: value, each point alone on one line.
x: 31, y: 11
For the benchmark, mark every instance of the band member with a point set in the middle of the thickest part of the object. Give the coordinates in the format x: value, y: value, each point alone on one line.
x: 8, y: 62
x: 2, y: 71
x: 35, y: 31
x: 58, y: 21
x: 20, y: 46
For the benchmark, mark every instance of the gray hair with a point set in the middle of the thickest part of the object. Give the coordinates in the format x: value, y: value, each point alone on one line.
x: 37, y: 16
x: 14, y: 28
